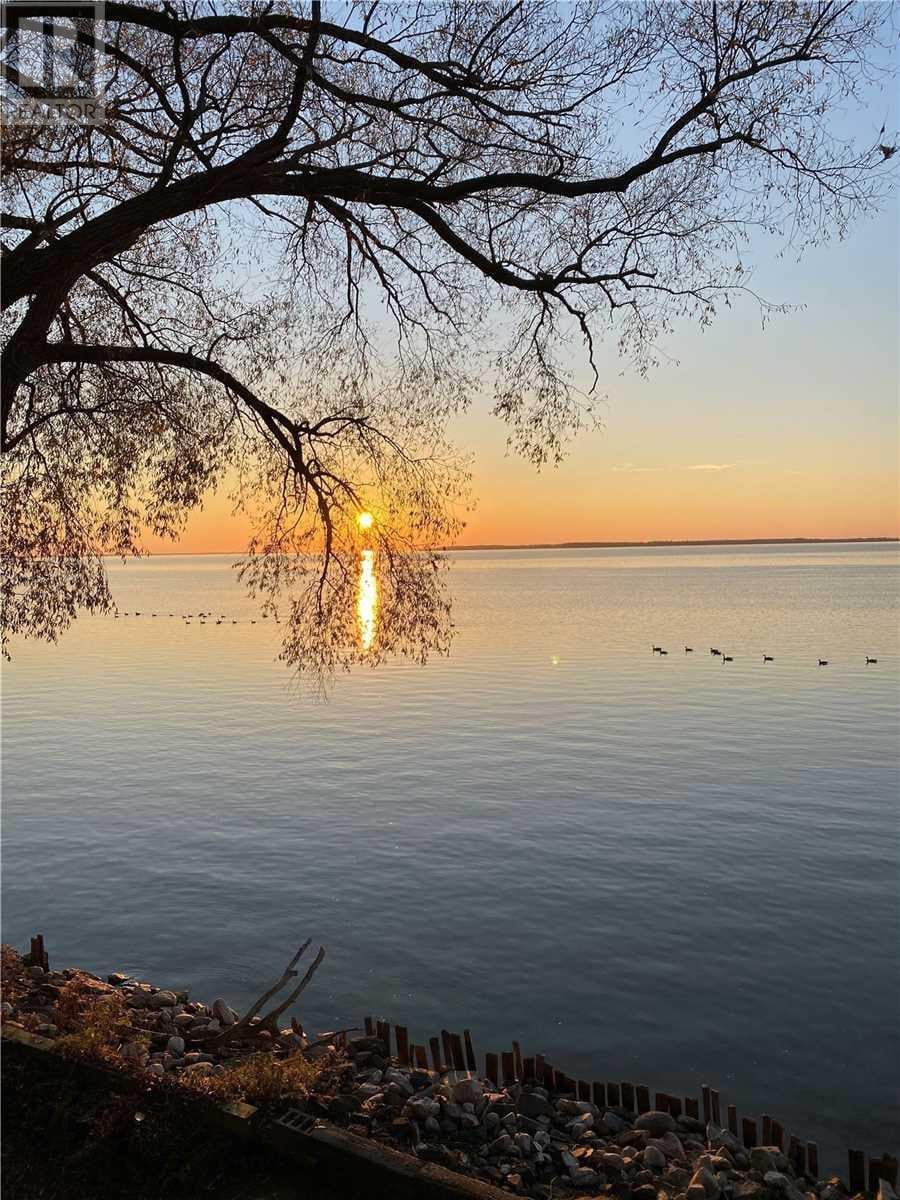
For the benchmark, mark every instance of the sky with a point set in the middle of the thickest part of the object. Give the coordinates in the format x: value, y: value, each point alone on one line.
x: 791, y: 430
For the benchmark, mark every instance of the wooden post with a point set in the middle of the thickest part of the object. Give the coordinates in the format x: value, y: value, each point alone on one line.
x: 692, y: 1107
x: 436, y: 1053
x: 549, y: 1077
x: 509, y: 1066
x: 675, y: 1106
x: 856, y: 1162
x: 748, y: 1131
x: 613, y: 1096
x: 889, y: 1169
x: 445, y: 1045
x: 384, y: 1035
x: 471, y: 1060
x: 584, y: 1090
x: 796, y: 1154
x: 641, y: 1098
x: 662, y: 1102
x: 767, y: 1130
x: 492, y: 1068
x: 598, y: 1091
x: 565, y: 1083
x: 716, y: 1112
x: 421, y: 1058
x: 517, y: 1059
x: 874, y: 1174
x: 732, y: 1120
x: 528, y: 1072
x: 370, y: 1027
x: 812, y: 1159
x: 777, y: 1134
x: 539, y: 1069
x: 628, y: 1096
x: 403, y: 1044
x: 707, y: 1105
x: 456, y: 1050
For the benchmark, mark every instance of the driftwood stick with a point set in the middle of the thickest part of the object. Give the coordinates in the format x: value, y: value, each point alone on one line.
x: 270, y: 1021
x: 243, y: 1026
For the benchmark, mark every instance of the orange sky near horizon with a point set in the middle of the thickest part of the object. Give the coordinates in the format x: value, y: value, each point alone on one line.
x: 787, y: 431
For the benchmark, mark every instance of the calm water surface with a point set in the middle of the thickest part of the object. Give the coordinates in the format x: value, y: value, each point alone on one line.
x: 661, y: 869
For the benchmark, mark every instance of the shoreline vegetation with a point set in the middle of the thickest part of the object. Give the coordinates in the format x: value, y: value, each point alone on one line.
x: 529, y: 1129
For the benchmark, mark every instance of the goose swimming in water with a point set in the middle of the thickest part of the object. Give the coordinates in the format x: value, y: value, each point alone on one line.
x: 870, y: 660
x: 823, y: 662
x: 689, y: 649
x: 713, y: 650
x: 657, y: 649
x: 664, y: 652
x: 727, y: 658
x: 768, y: 658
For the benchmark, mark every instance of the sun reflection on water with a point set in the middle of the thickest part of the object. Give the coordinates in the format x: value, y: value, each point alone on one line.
x: 367, y: 599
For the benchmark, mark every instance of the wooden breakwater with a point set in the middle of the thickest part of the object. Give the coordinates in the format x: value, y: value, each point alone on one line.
x: 455, y: 1052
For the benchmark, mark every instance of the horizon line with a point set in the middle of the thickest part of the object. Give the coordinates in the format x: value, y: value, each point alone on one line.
x: 657, y: 543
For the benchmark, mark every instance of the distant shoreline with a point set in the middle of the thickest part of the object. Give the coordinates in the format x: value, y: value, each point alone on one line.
x: 661, y: 544
x: 799, y: 541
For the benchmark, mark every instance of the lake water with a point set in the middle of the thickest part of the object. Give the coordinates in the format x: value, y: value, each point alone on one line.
x: 664, y: 869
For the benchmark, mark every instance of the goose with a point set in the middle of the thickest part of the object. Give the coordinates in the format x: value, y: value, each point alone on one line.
x: 727, y: 658
x: 689, y: 649
x: 823, y: 662
x: 234, y: 622
x: 870, y: 660
x: 713, y: 650
x: 664, y: 652
x: 218, y: 622
x: 137, y: 614
x: 768, y: 658
x: 657, y: 649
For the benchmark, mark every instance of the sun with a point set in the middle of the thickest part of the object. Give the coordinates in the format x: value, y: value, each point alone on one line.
x: 365, y: 520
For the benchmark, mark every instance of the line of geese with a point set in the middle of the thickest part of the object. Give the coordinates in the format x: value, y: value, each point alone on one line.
x: 714, y: 650
x: 202, y: 617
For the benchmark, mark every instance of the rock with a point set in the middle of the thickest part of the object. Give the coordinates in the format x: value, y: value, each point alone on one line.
x: 747, y: 1189
x: 48, y: 1029
x: 467, y: 1091
x: 574, y: 1108
x: 199, y: 1070
x: 704, y: 1179
x: 343, y: 1105
x: 419, y: 1079
x: 162, y: 999
x: 717, y: 1137
x: 501, y: 1145
x: 420, y: 1109
x: 433, y: 1126
x: 613, y: 1123
x: 37, y: 972
x: 612, y: 1162
x: 645, y: 1191
x: 134, y: 1051
x: 533, y: 1104
x: 885, y: 1191
x: 6, y: 1009
x: 569, y: 1161
x: 156, y: 1068
x: 583, y: 1177
x: 524, y: 1144
x: 185, y: 1021
x: 175, y: 1045
x: 213, y: 1027
x: 763, y: 1159
x: 653, y: 1158
x: 657, y: 1124
x: 222, y: 1012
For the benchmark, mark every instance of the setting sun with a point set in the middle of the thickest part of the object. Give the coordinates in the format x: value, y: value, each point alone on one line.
x: 365, y: 520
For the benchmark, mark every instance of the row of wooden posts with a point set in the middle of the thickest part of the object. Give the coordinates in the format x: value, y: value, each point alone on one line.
x: 452, y: 1051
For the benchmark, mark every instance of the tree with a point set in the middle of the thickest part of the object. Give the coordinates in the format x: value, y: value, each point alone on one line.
x: 305, y: 235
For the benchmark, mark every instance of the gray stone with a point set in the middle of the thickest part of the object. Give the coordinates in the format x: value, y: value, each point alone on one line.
x: 199, y: 1070
x: 705, y: 1179
x: 162, y: 999
x: 523, y: 1141
x: 533, y: 1104
x: 583, y: 1177
x: 656, y: 1123
x: 222, y: 1012
x: 763, y: 1159
x: 501, y: 1145
x: 653, y: 1158
x: 6, y: 1009
x: 467, y: 1091
x: 175, y: 1045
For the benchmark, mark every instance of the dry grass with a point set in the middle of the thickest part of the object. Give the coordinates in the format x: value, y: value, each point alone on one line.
x: 94, y: 1020
x: 260, y: 1078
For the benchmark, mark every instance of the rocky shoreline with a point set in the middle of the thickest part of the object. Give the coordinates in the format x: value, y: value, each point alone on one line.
x: 526, y: 1138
